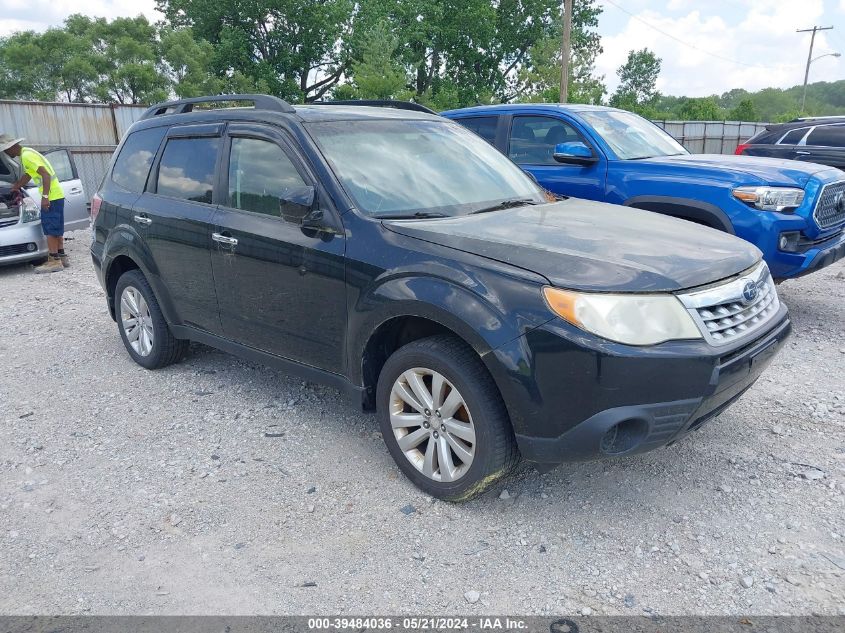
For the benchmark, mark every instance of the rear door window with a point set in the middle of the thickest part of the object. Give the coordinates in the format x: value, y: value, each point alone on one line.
x: 827, y: 136
x: 533, y: 139
x: 484, y: 126
x: 187, y: 167
x: 136, y: 156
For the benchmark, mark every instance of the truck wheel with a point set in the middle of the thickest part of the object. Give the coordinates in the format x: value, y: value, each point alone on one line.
x: 142, y: 327
x: 443, y: 419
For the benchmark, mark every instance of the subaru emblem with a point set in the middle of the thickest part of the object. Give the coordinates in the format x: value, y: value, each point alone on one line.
x: 749, y: 292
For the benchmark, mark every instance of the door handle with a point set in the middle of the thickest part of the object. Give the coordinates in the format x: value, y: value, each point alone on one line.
x: 224, y: 239
x: 803, y: 153
x: 142, y: 219
x: 75, y: 190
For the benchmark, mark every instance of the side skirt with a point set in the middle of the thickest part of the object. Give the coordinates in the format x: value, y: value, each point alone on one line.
x: 354, y: 393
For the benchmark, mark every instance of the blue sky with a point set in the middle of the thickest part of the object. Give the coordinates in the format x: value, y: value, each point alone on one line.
x: 727, y: 44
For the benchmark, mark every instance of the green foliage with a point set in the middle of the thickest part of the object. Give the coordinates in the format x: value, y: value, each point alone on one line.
x: 637, y: 88
x: 295, y: 48
x: 443, y: 53
x: 700, y: 109
x: 379, y: 74
x: 538, y: 78
x: 744, y: 111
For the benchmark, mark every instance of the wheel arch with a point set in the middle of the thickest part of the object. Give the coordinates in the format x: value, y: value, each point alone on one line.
x: 395, y: 332
x: 124, y: 251
x: 696, y: 211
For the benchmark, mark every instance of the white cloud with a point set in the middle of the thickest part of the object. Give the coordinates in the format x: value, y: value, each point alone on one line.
x: 751, y: 44
x: 39, y: 15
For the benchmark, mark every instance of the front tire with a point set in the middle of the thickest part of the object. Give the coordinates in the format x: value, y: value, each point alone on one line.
x: 443, y: 419
x: 142, y: 326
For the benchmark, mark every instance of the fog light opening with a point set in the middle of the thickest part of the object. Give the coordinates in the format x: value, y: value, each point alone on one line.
x: 30, y: 247
x: 788, y: 242
x: 624, y: 436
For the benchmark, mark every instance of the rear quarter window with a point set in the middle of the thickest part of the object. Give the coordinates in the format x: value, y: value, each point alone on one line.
x: 132, y: 165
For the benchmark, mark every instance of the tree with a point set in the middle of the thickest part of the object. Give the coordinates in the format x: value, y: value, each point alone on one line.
x: 379, y: 75
x: 744, y: 111
x: 700, y: 109
x: 188, y: 62
x: 293, y: 48
x: 637, y: 88
x: 539, y: 75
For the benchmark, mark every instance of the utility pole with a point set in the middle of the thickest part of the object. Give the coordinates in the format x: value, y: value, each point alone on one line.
x: 810, y: 58
x: 565, y: 50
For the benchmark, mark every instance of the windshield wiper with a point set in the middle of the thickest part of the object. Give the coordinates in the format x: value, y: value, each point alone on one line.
x: 506, y: 204
x: 409, y: 216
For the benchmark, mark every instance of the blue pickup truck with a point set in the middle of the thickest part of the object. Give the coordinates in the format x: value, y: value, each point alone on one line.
x: 794, y: 212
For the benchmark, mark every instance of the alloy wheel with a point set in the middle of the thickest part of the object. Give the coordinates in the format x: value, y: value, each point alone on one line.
x: 432, y: 424
x: 136, y: 320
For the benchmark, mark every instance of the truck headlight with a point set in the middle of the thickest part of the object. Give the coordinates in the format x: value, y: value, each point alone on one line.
x: 30, y: 212
x: 629, y: 319
x: 770, y: 198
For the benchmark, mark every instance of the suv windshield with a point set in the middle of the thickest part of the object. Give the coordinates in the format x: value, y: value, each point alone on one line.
x: 630, y: 136
x: 406, y: 168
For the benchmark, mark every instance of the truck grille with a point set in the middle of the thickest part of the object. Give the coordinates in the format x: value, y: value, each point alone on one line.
x: 830, y: 208
x: 735, y: 310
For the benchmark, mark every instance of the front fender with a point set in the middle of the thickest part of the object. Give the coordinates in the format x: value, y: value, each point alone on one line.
x: 462, y: 303
x: 124, y: 241
x: 685, y: 208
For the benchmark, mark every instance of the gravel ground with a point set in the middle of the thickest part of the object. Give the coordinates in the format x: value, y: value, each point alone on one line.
x: 219, y: 486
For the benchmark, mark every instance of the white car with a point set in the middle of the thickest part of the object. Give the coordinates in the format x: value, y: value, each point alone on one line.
x: 21, y: 238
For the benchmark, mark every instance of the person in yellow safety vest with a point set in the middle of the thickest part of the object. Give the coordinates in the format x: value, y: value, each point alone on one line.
x: 38, y: 169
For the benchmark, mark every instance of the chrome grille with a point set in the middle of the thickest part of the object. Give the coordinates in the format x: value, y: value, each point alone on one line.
x: 732, y: 311
x: 830, y: 207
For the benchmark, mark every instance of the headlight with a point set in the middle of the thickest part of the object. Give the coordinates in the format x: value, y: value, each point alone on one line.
x: 30, y: 211
x: 770, y: 198
x: 629, y: 319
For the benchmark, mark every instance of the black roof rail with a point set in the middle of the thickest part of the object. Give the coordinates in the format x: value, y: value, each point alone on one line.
x: 379, y: 103
x: 181, y: 106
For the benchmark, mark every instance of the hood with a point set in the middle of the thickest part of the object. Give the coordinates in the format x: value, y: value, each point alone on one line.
x: 593, y: 246
x: 769, y: 171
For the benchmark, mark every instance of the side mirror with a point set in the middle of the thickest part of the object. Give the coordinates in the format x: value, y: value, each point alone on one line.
x: 298, y: 203
x: 574, y: 153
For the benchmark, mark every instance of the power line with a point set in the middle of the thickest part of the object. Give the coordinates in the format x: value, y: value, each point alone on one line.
x: 692, y: 46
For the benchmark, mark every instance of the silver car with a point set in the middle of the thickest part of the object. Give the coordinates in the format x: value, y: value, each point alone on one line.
x: 21, y: 238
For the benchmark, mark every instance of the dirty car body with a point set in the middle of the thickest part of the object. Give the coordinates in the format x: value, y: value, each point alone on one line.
x: 383, y: 266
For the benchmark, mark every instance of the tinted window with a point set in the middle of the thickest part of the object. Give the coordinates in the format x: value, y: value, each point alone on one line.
x: 60, y: 161
x: 136, y: 156
x: 260, y: 176
x: 187, y: 168
x: 827, y: 136
x: 485, y: 127
x: 533, y: 139
x: 793, y: 136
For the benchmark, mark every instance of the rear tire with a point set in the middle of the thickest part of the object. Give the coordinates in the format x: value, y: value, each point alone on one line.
x: 141, y: 324
x: 443, y: 419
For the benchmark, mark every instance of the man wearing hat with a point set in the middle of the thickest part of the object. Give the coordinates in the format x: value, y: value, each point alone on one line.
x: 37, y: 169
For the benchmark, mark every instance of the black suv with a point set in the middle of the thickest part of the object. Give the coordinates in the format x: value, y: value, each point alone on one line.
x: 811, y: 139
x: 401, y: 258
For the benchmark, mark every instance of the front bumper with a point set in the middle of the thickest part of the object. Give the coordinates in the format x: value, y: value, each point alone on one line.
x: 22, y: 242
x: 572, y: 396
x: 825, y: 255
